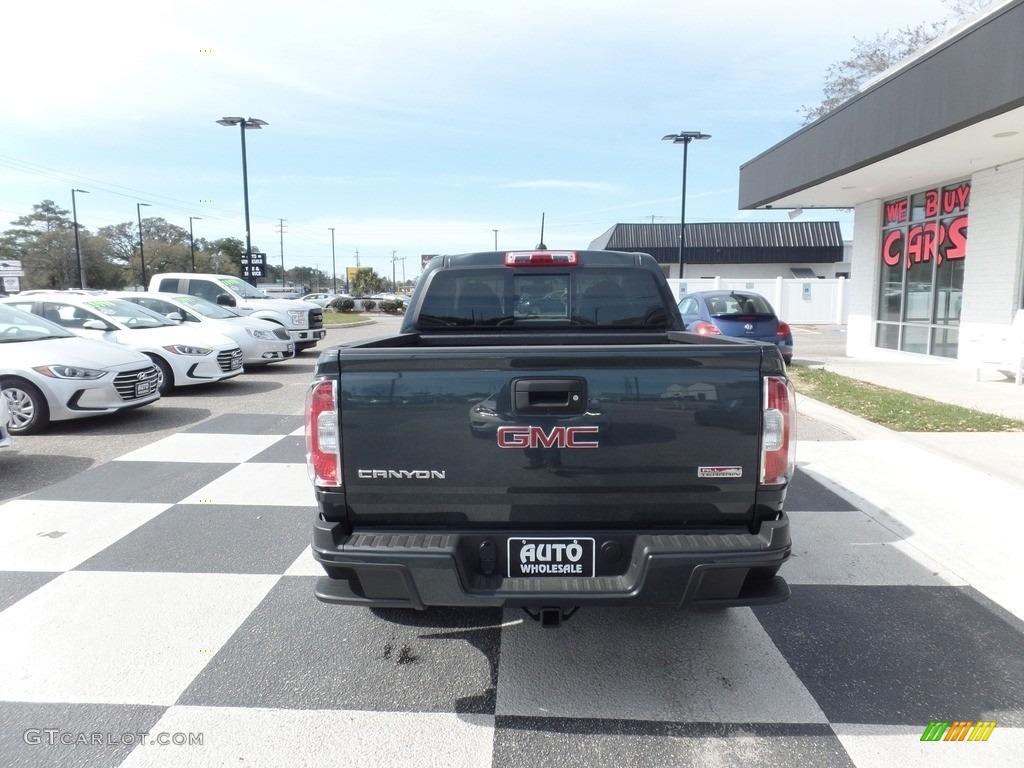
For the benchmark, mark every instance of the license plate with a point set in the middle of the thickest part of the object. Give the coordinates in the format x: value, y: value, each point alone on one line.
x: 144, y: 388
x: 558, y: 557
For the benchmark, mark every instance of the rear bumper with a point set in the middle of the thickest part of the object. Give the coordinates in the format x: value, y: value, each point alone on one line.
x: 417, y: 570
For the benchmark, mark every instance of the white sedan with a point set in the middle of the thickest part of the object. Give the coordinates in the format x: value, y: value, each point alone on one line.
x: 323, y: 299
x: 5, y: 420
x: 184, y: 356
x: 261, y: 341
x: 49, y: 374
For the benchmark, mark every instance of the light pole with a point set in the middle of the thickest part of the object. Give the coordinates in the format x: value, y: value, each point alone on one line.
x: 252, y: 124
x: 142, y: 257
x: 78, y: 248
x: 394, y: 284
x: 684, y: 138
x: 334, y: 265
x: 192, y: 239
x: 495, y: 238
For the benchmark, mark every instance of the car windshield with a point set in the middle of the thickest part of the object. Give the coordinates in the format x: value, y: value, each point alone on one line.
x: 16, y: 325
x: 243, y: 289
x: 126, y: 313
x: 206, y: 308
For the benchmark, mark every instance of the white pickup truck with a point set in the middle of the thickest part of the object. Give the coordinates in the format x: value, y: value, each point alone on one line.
x: 303, y: 321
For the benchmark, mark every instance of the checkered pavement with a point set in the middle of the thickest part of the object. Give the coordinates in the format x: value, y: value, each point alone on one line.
x: 169, y: 593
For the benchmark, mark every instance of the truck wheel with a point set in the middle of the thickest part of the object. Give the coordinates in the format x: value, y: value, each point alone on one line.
x: 165, y: 376
x: 29, y: 412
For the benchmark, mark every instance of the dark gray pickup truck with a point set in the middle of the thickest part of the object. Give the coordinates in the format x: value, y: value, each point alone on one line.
x: 544, y: 433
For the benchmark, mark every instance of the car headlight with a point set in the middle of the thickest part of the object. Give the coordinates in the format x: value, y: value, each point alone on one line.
x: 298, y: 316
x: 188, y: 349
x: 69, y: 372
x: 259, y: 333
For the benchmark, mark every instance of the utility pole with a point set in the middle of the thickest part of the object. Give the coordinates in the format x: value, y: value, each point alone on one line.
x: 394, y: 285
x: 281, y: 227
x: 334, y: 264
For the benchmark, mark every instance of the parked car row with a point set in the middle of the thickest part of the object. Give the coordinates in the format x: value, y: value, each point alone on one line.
x: 73, y: 354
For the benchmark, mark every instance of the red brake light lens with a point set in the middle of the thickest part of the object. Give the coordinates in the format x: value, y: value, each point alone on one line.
x: 778, y: 431
x: 704, y: 328
x: 783, y: 330
x: 323, y: 449
x: 542, y: 259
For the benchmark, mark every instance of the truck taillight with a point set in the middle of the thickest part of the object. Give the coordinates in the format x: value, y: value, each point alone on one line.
x: 541, y: 259
x: 704, y: 328
x: 323, y: 445
x: 778, y: 432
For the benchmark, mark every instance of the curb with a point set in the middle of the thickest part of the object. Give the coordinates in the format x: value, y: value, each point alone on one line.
x: 854, y: 426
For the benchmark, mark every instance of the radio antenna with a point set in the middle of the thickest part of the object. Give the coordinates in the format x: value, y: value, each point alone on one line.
x: 540, y: 245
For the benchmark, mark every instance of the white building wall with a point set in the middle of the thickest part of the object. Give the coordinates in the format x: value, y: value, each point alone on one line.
x: 760, y: 271
x: 993, y: 271
x: 863, y: 294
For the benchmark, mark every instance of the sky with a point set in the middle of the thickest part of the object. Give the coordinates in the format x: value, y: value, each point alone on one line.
x: 410, y: 127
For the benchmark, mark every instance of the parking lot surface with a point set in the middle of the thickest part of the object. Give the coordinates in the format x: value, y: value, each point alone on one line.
x: 156, y: 609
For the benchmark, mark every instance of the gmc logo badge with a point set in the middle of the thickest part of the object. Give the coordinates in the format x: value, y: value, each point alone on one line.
x: 538, y: 437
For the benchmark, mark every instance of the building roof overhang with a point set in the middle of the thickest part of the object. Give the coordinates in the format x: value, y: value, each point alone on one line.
x: 954, y: 108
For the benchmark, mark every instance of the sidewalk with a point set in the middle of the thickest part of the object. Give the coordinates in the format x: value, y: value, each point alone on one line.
x: 955, y: 499
x: 1000, y: 454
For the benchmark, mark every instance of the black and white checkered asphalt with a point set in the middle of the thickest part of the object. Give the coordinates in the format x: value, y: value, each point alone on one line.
x: 170, y: 592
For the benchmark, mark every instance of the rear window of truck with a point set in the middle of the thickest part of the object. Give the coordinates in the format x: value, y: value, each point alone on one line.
x: 488, y: 298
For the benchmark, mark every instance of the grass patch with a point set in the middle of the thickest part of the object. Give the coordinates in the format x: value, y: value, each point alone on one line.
x: 344, y: 318
x: 891, y: 408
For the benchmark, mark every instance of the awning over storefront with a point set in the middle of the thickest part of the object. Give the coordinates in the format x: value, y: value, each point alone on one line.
x: 951, y: 109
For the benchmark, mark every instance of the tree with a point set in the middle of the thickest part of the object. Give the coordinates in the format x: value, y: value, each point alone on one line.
x: 873, y: 56
x: 310, y: 276
x: 44, y: 242
x: 367, y: 281
x: 227, y: 253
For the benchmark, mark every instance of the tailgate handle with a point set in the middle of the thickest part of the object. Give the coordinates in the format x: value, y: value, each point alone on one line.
x: 553, y: 396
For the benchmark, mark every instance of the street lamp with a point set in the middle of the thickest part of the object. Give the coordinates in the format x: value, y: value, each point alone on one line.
x: 334, y: 265
x: 252, y: 124
x: 142, y: 257
x: 78, y: 248
x: 192, y: 239
x: 684, y: 138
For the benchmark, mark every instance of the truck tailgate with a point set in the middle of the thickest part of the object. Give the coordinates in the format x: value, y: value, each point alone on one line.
x: 506, y: 438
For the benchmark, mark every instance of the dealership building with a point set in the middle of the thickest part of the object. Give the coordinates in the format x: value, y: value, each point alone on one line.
x: 930, y: 157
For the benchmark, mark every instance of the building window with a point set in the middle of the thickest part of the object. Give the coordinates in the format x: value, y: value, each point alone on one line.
x: 924, y: 248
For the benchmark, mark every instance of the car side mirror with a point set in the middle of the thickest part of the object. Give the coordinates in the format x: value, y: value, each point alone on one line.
x: 175, y: 317
x: 225, y: 300
x: 96, y: 325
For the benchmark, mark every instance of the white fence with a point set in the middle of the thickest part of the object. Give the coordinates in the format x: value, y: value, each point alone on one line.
x: 798, y: 302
